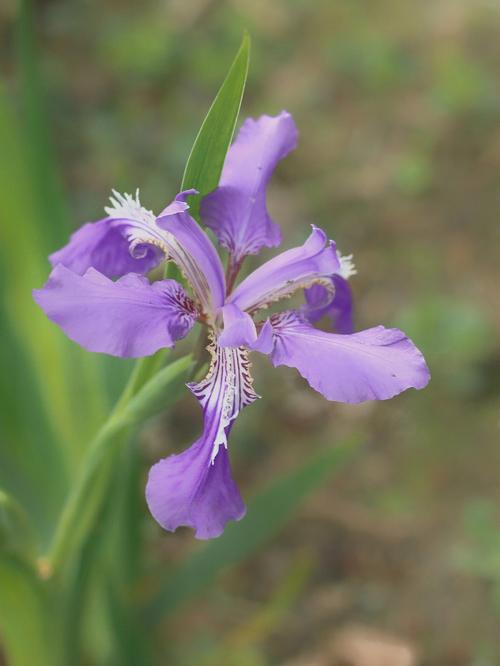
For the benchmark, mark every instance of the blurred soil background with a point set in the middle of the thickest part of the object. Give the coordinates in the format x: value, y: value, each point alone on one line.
x: 397, y: 561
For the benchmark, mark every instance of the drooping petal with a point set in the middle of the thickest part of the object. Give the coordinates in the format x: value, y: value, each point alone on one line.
x: 128, y: 318
x: 338, y: 309
x: 236, y: 211
x: 195, y: 488
x: 191, y: 249
x: 188, y: 490
x: 297, y: 268
x: 375, y: 364
x: 103, y: 246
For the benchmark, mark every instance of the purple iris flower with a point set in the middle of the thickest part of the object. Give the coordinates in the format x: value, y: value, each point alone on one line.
x: 132, y: 317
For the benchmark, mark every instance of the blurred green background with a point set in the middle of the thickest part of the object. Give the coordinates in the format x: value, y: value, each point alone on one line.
x: 396, y: 560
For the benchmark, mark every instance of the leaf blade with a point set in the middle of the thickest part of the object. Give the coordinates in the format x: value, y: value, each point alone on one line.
x: 206, y: 159
x: 84, y: 502
x: 26, y: 624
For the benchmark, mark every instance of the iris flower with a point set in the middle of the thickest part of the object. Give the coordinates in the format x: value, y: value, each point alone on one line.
x: 98, y: 294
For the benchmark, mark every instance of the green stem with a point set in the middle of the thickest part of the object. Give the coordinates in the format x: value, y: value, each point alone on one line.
x: 143, y: 370
x: 95, y: 472
x: 141, y: 397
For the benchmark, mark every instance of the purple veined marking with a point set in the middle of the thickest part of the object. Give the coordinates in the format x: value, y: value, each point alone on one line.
x: 133, y: 317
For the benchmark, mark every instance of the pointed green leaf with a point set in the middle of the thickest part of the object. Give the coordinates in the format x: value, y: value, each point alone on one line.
x: 209, y: 150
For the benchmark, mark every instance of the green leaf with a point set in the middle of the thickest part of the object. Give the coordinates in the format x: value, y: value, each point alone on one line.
x: 89, y: 491
x: 209, y: 150
x: 37, y: 353
x: 50, y: 198
x: 16, y: 535
x: 266, y: 515
x: 26, y: 622
x: 99, y: 609
x: 160, y: 391
x: 32, y: 469
x: 43, y: 369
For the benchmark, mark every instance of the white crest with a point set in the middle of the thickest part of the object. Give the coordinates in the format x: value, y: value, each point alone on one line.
x: 125, y: 206
x: 347, y: 268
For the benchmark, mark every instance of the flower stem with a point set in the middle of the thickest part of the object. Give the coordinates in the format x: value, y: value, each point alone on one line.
x: 233, y: 268
x: 144, y: 391
x: 72, y: 526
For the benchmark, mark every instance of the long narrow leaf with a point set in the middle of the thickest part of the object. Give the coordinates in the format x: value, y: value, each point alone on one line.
x: 52, y: 206
x: 26, y: 623
x: 50, y: 226
x: 16, y: 535
x: 209, y: 150
x: 32, y: 465
x: 86, y: 499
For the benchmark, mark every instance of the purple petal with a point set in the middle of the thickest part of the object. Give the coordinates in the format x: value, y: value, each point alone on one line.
x: 179, y: 204
x: 195, y: 488
x: 375, y: 364
x: 130, y: 317
x: 296, y: 268
x: 191, y: 249
x: 319, y: 304
x: 265, y: 340
x: 239, y: 328
x: 236, y: 211
x: 187, y: 490
x: 102, y: 246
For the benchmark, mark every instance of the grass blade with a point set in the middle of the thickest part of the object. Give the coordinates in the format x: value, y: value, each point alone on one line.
x: 89, y: 491
x: 51, y: 201
x: 206, y: 159
x: 26, y: 623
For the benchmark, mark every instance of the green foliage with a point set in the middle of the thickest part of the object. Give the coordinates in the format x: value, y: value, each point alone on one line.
x: 46, y: 375
x: 27, y: 625
x: 87, y: 496
x: 206, y: 159
x: 16, y: 533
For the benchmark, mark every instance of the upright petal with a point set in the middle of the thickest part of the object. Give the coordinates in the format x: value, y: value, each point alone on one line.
x: 297, y: 268
x: 195, y: 488
x: 130, y: 317
x: 191, y: 249
x: 236, y: 211
x: 239, y: 328
x: 103, y: 246
x: 375, y: 364
x: 338, y: 308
